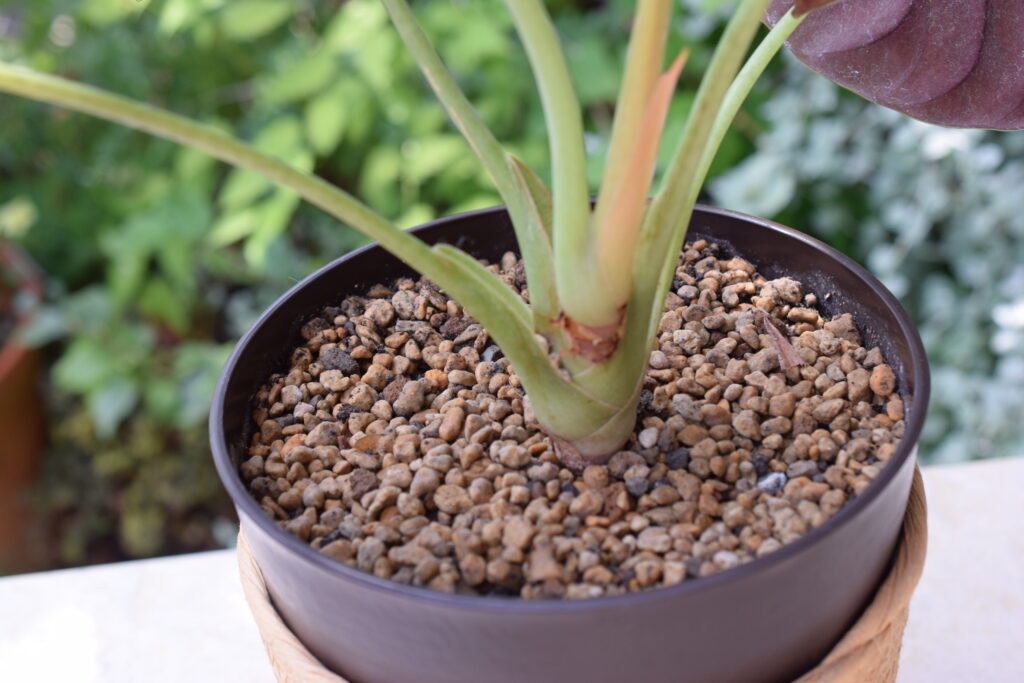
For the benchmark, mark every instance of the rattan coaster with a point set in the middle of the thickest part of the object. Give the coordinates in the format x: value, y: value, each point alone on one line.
x: 870, y: 650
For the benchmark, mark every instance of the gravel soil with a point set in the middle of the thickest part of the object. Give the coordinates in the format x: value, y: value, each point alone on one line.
x: 400, y: 441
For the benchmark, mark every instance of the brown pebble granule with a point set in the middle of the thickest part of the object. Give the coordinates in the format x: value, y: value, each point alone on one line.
x: 400, y: 442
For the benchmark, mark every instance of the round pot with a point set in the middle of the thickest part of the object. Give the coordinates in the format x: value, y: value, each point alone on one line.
x: 768, y: 620
x: 21, y: 421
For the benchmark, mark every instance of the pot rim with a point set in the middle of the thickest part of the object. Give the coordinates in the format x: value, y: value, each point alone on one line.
x: 247, y: 506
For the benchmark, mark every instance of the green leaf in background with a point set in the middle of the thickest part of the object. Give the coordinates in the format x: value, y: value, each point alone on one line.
x: 110, y: 404
x: 424, y: 158
x: 178, y: 15
x: 249, y: 19
x: 104, y: 12
x: 595, y: 70
x: 357, y: 22
x: 272, y: 220
x: 242, y: 188
x: 89, y: 310
x: 163, y: 237
x: 46, y: 325
x: 160, y: 398
x: 477, y: 201
x: 374, y: 61
x: 470, y: 34
x: 198, y: 365
x: 379, y: 181
x: 170, y: 305
x: 324, y: 118
x: 417, y: 214
x: 234, y: 226
x: 282, y: 137
x: 17, y: 216
x: 300, y: 78
x: 85, y: 366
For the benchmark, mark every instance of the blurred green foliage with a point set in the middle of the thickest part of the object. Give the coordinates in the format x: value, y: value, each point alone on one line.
x: 158, y: 258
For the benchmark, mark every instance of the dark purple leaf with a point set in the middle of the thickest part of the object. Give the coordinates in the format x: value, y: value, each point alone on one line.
x: 805, y: 6
x: 951, y: 62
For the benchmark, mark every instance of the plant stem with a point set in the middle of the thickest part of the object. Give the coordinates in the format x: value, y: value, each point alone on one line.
x: 737, y: 95
x: 617, y: 230
x: 712, y: 127
x: 571, y: 210
x: 669, y: 215
x: 643, y: 66
x: 612, y: 231
x: 563, y: 408
x: 164, y: 124
x: 532, y: 235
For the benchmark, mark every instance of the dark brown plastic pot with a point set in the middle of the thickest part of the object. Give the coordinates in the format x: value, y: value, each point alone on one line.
x: 21, y: 421
x: 768, y: 620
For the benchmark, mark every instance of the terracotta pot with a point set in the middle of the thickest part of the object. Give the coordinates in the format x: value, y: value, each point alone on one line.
x: 768, y: 620
x: 21, y: 425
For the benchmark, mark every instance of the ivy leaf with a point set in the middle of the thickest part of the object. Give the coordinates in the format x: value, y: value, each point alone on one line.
x: 300, y: 79
x: 250, y: 19
x: 85, y: 366
x: 951, y: 63
x: 325, y: 118
x: 110, y: 404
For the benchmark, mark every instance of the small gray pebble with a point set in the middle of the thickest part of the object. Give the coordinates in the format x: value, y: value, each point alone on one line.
x: 679, y: 459
x: 637, y: 486
x: 334, y: 358
x: 803, y: 468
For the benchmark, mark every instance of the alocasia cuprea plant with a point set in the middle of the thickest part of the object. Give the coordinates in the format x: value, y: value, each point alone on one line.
x: 598, y: 275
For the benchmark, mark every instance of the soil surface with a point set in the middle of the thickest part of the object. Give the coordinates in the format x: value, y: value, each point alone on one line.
x: 400, y: 443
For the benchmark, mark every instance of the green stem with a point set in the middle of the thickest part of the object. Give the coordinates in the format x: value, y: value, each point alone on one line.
x: 571, y: 211
x: 644, y: 59
x: 534, y: 240
x: 710, y: 129
x: 164, y: 124
x: 451, y: 96
x: 737, y: 95
x: 612, y: 239
x: 561, y: 406
x: 665, y: 231
x: 669, y: 214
